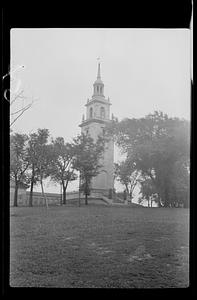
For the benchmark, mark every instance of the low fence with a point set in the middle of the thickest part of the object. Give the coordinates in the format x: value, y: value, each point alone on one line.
x: 56, y: 199
x: 38, y: 200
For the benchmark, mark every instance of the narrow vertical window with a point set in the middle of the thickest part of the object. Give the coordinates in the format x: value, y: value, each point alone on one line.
x: 91, y: 112
x: 102, y: 112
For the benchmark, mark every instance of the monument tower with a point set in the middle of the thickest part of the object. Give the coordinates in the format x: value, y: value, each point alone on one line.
x: 97, y: 116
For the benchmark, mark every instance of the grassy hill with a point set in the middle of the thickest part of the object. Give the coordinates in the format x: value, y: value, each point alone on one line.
x: 99, y: 246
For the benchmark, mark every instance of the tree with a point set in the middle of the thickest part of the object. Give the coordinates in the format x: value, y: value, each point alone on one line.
x: 180, y: 184
x: 40, y: 156
x: 15, y: 96
x: 128, y: 175
x: 32, y: 157
x: 62, y: 169
x: 18, y: 161
x: 148, y: 191
x: 156, y: 143
x: 87, y: 160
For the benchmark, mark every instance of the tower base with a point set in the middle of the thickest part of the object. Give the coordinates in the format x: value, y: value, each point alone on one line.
x: 101, y: 192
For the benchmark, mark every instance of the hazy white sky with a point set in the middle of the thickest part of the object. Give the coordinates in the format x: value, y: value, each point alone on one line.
x: 143, y: 70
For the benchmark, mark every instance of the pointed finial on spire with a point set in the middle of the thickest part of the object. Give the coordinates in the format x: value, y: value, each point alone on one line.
x: 99, y: 70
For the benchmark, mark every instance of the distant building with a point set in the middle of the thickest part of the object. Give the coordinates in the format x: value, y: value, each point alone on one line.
x: 97, y: 116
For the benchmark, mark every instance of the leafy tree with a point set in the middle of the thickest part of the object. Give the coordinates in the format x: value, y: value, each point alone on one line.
x: 87, y: 160
x: 32, y: 157
x: 156, y: 144
x: 44, y: 161
x: 62, y: 170
x: 148, y: 191
x: 128, y: 175
x: 40, y: 156
x: 179, y: 192
x: 18, y: 161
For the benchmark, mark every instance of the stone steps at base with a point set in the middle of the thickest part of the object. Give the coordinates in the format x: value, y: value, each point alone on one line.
x: 98, y: 201
x: 118, y: 200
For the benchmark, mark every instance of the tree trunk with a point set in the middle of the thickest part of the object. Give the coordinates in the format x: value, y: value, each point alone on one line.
x: 61, y: 194
x: 159, y: 202
x: 159, y: 199
x: 16, y: 195
x: 86, y: 199
x: 130, y: 196
x: 31, y: 195
x: 86, y: 191
x: 43, y: 194
x: 166, y: 203
x: 64, y: 191
x: 79, y: 202
x: 127, y: 191
x: 64, y: 195
x: 31, y: 189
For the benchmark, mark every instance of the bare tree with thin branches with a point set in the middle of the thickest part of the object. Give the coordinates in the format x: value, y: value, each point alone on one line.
x: 15, y: 97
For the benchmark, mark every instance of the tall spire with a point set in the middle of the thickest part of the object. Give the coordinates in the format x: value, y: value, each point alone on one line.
x: 98, y: 84
x: 99, y: 71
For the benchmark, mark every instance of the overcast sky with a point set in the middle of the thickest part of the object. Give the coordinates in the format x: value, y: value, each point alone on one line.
x: 143, y: 70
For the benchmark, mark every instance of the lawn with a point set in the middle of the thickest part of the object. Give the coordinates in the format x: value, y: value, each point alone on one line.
x: 99, y: 247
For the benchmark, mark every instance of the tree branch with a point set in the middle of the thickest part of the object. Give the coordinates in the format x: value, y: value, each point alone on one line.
x: 26, y: 108
x: 16, y: 97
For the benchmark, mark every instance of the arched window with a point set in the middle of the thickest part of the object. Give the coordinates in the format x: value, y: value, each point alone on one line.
x: 91, y: 112
x: 97, y: 88
x: 102, y: 112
